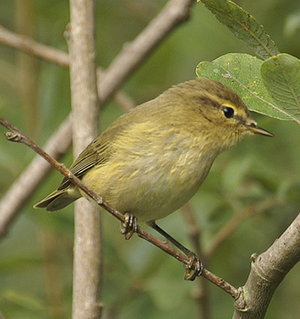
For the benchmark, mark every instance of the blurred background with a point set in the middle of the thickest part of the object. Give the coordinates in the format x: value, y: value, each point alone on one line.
x: 259, y: 177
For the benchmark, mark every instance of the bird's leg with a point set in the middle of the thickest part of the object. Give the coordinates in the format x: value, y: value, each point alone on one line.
x: 194, y: 267
x: 129, y: 226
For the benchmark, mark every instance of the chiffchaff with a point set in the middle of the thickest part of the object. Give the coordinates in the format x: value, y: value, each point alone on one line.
x: 153, y: 159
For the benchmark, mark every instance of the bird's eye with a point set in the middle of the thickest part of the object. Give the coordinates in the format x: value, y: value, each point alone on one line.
x: 228, y: 112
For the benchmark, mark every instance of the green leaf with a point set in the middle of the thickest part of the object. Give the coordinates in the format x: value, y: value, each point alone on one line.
x: 241, y: 72
x: 243, y: 26
x: 281, y: 77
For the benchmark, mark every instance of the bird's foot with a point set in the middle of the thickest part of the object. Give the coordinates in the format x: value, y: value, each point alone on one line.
x: 193, y: 268
x: 129, y: 226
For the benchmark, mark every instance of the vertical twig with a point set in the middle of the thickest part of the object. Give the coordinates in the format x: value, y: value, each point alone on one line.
x: 194, y: 231
x: 87, y: 244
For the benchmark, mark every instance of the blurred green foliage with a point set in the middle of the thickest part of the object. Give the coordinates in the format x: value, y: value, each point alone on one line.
x: 139, y: 280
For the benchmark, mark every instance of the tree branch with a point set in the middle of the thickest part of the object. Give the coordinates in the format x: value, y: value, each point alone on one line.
x: 88, y: 259
x: 34, y: 48
x: 267, y: 271
x: 237, y: 218
x: 135, y: 53
x: 18, y: 136
x: 32, y: 177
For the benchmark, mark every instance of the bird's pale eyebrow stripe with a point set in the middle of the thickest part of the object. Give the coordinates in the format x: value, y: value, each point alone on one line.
x: 228, y: 104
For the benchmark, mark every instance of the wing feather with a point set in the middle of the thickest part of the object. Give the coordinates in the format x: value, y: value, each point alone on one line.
x: 95, y: 154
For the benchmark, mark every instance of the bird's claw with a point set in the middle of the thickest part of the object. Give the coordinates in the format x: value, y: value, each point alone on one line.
x: 129, y: 226
x: 193, y: 268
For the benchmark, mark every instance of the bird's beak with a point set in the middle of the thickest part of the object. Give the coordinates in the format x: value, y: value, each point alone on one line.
x: 258, y: 130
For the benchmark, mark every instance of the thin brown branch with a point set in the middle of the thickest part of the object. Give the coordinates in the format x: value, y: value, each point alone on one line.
x: 134, y: 53
x: 237, y: 218
x: 124, y: 101
x: 193, y: 230
x: 127, y: 61
x: 194, y: 233
x: 32, y: 177
x: 34, y: 174
x: 32, y: 47
x: 18, y: 136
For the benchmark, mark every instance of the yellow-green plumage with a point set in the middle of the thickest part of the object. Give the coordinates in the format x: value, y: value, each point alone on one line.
x: 153, y: 159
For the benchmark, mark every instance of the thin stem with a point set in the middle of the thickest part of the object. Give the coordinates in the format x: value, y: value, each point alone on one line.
x: 194, y: 232
x: 18, y: 136
x: 28, y: 45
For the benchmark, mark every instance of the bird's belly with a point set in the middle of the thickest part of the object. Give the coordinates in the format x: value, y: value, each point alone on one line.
x: 151, y: 187
x: 158, y: 196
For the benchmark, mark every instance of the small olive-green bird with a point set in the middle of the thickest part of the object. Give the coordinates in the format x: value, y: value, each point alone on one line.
x: 153, y: 159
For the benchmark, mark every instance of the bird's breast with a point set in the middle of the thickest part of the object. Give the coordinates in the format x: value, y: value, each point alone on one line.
x: 153, y: 176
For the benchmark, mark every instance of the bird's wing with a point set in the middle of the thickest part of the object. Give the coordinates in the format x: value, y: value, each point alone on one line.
x: 96, y: 153
x: 99, y: 151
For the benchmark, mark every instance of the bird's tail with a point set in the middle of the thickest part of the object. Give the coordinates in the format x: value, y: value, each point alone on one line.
x: 57, y: 200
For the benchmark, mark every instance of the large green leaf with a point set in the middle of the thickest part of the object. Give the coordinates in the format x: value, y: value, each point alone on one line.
x: 243, y: 26
x: 281, y: 77
x: 241, y: 72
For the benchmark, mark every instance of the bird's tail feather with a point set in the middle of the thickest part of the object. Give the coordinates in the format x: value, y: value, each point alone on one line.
x: 56, y: 200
